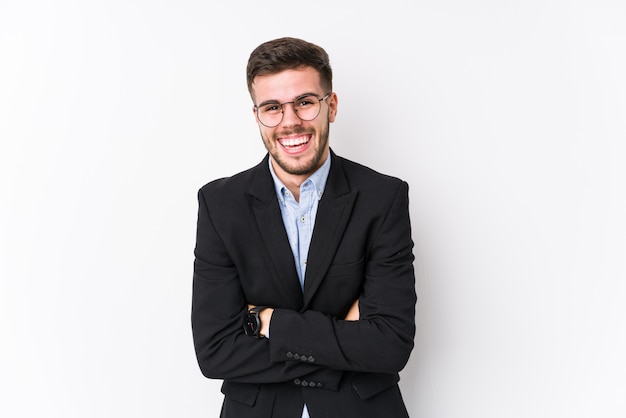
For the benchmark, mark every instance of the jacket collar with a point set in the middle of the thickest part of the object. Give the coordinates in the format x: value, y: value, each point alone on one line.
x: 262, y: 185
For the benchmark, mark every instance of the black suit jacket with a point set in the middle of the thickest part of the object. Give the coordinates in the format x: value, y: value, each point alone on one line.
x: 361, y: 248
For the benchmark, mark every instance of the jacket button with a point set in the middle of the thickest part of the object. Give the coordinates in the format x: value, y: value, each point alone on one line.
x: 312, y: 384
x: 304, y: 383
x: 296, y: 381
x: 289, y: 354
x: 296, y: 356
x: 311, y: 359
x: 320, y: 385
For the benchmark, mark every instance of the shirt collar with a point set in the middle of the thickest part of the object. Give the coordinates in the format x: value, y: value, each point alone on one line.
x: 318, y: 179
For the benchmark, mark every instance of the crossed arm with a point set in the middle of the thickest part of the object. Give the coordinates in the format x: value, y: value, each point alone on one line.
x: 266, y: 316
x: 376, y: 335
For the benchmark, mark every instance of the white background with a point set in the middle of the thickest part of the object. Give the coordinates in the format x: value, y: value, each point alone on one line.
x: 507, y: 118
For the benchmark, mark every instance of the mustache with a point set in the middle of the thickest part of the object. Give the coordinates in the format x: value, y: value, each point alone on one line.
x: 295, y: 131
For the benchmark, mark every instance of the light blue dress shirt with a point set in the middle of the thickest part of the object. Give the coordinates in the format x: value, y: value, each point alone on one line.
x: 299, y: 218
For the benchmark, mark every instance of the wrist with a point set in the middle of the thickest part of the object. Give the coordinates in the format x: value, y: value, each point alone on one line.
x: 256, y: 321
x: 266, y: 316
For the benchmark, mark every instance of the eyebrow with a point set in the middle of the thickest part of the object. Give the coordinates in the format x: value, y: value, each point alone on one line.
x: 274, y: 101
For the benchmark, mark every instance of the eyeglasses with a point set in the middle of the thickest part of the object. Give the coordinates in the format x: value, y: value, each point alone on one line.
x: 306, y: 107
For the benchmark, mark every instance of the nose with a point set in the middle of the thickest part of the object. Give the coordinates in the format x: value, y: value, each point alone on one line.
x: 290, y: 117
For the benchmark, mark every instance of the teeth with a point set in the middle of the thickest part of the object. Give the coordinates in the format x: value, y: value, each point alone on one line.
x: 294, y: 142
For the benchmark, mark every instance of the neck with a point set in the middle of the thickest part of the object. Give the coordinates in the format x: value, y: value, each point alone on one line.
x: 291, y: 181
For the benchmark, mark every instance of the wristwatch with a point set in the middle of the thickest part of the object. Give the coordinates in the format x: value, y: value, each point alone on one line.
x: 252, y: 322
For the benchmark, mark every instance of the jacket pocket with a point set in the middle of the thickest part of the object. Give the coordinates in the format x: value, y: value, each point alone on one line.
x: 355, y: 268
x: 245, y: 394
x: 342, y: 284
x: 367, y: 385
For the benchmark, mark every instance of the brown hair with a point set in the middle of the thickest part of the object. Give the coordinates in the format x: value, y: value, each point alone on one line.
x: 287, y: 53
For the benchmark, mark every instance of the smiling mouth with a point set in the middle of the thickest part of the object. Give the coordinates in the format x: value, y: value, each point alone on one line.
x: 294, y: 143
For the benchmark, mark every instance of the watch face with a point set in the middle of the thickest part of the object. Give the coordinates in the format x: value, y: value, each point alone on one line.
x: 251, y: 324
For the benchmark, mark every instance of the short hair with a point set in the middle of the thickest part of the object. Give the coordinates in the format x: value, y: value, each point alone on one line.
x: 287, y: 53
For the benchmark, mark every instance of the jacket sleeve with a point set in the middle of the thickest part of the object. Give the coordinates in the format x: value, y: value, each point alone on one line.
x: 222, y: 349
x: 382, y: 339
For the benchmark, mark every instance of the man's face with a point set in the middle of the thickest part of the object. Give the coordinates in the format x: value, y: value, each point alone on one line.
x: 298, y: 147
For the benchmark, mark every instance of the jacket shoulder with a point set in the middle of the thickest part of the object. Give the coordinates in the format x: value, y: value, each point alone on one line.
x: 226, y: 185
x: 363, y: 177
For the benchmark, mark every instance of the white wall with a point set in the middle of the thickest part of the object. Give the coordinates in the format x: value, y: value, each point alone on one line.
x: 508, y: 120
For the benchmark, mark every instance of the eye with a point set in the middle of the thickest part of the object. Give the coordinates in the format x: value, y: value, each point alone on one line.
x: 271, y: 108
x: 305, y: 101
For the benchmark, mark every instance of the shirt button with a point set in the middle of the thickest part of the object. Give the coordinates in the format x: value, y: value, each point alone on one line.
x: 303, y: 219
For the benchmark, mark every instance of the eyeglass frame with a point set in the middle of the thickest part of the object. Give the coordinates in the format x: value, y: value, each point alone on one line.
x: 293, y: 104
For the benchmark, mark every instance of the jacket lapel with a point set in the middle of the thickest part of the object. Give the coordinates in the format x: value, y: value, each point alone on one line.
x: 271, y: 236
x: 332, y: 218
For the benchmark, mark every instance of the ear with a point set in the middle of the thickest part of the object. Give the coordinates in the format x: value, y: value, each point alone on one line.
x: 332, y: 107
x: 254, y: 115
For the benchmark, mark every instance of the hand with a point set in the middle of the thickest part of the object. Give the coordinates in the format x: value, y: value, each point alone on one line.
x: 353, y: 314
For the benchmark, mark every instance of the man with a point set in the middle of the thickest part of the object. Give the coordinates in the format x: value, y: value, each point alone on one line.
x: 303, y: 289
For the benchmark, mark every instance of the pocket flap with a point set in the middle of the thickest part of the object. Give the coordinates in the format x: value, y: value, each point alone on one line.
x: 245, y: 394
x: 367, y: 385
